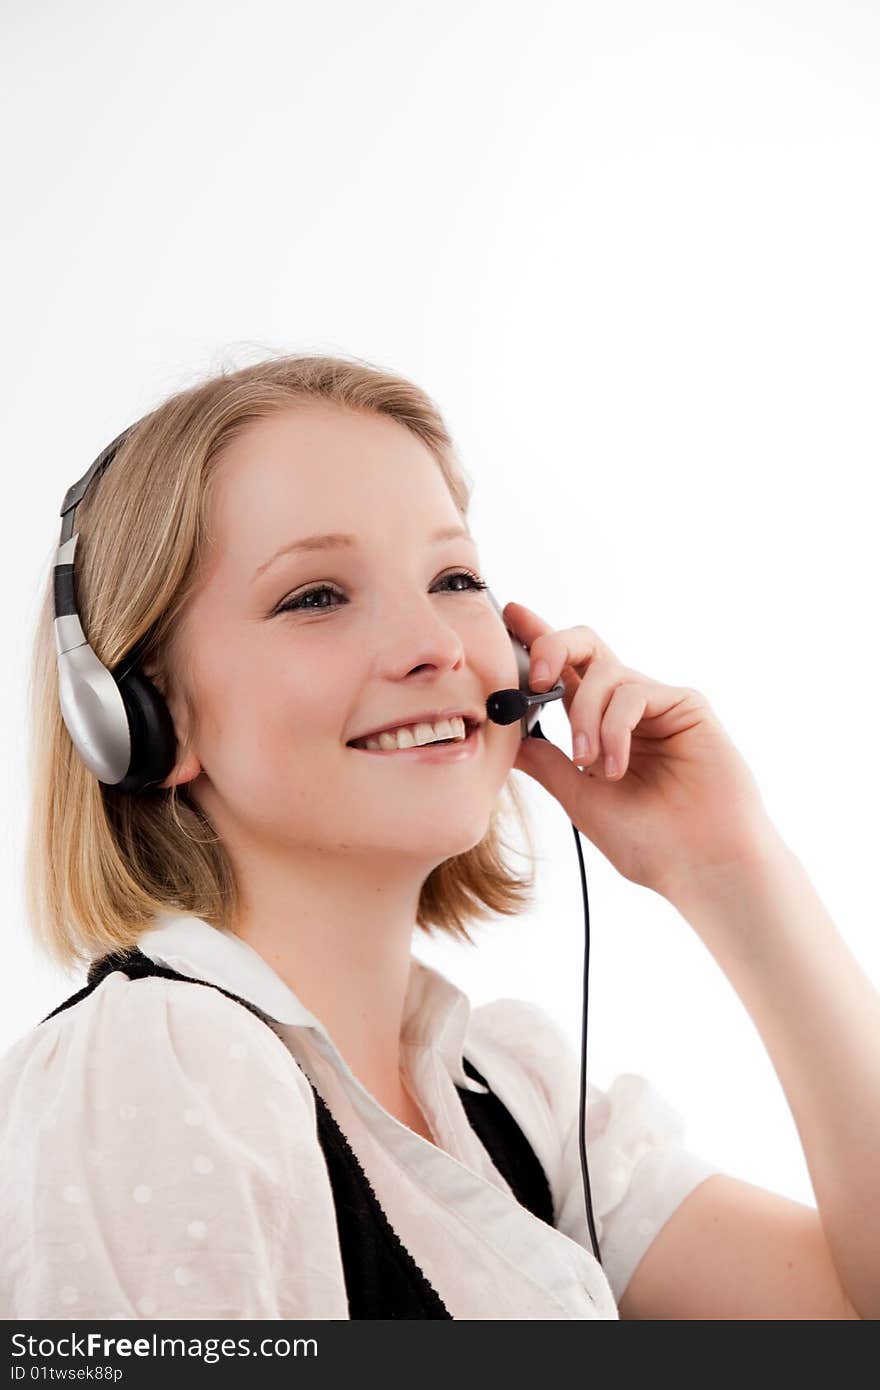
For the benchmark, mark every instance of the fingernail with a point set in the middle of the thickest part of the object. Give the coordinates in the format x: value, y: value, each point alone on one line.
x: 541, y: 671
x: 610, y: 765
x: 581, y: 744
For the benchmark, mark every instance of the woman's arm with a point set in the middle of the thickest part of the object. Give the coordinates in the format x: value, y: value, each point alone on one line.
x: 819, y: 1017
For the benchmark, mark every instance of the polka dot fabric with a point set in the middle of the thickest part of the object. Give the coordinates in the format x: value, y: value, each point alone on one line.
x: 151, y: 1171
x: 160, y: 1155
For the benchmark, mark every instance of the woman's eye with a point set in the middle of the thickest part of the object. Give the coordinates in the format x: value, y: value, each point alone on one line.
x: 298, y: 602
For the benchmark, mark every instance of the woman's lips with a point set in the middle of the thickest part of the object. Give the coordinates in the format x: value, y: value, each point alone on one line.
x: 459, y: 751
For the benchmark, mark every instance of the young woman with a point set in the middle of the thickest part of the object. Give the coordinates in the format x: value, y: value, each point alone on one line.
x: 261, y: 1104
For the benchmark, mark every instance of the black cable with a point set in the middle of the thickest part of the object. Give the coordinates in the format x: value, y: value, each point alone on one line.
x: 537, y: 732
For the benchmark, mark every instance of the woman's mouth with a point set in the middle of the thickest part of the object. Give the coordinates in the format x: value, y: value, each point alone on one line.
x: 451, y: 751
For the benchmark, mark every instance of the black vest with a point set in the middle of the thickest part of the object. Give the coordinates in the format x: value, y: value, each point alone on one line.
x: 382, y: 1279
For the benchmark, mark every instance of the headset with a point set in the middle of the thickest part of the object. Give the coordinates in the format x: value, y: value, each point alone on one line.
x: 122, y: 729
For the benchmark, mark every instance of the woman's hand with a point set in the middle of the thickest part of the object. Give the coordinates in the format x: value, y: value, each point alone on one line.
x: 680, y: 799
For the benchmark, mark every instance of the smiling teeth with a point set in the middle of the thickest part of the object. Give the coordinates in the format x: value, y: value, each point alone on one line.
x: 411, y: 735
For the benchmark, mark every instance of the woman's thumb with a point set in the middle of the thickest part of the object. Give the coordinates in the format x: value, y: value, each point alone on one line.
x: 548, y: 765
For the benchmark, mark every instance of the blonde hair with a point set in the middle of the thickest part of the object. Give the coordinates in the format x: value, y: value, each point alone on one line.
x: 99, y: 863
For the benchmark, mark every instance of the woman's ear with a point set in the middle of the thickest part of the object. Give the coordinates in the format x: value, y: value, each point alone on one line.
x: 186, y: 770
x: 187, y: 767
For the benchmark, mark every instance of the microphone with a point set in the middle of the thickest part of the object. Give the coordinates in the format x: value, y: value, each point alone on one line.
x: 506, y: 706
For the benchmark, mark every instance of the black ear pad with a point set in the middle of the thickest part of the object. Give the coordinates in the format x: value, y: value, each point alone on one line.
x: 153, y: 738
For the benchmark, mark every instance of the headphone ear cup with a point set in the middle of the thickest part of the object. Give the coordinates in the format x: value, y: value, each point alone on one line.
x: 151, y: 729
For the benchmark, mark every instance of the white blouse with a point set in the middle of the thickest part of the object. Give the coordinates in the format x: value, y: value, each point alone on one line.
x: 160, y: 1156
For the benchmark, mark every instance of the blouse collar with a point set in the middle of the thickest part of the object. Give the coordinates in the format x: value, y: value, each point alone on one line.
x: 436, y: 1012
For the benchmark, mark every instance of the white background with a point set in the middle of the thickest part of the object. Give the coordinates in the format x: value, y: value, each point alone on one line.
x: 631, y: 251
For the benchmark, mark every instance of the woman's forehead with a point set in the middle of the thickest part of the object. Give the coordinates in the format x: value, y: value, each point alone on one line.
x: 296, y: 483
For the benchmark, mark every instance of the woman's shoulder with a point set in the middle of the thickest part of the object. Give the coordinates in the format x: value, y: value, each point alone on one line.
x: 165, y: 1137
x: 153, y: 1035
x: 536, y: 1045
x: 521, y: 1023
x: 523, y: 1035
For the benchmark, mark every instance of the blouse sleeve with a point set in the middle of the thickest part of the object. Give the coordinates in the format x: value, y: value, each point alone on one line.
x: 160, y: 1160
x: 640, y: 1168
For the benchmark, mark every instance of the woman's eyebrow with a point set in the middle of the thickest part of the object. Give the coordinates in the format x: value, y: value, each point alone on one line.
x: 332, y: 540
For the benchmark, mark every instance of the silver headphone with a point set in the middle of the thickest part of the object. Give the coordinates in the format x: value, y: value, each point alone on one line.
x: 119, y: 722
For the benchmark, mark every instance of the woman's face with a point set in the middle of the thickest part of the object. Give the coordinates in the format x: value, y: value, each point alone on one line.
x: 279, y: 693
